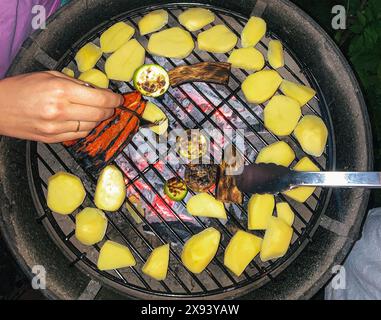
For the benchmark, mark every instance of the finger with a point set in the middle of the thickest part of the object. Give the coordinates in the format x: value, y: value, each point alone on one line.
x: 77, y: 112
x: 63, y: 137
x: 54, y: 128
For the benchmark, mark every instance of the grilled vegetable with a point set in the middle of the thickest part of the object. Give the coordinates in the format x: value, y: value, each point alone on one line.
x: 65, y: 193
x: 90, y: 226
x: 281, y: 115
x: 247, y: 58
x: 95, y: 77
x: 153, y: 21
x: 312, y: 134
x: 151, y: 80
x: 153, y: 113
x: 196, y: 18
x: 200, y: 177
x: 114, y: 255
x: 138, y: 207
x: 275, y: 54
x: 260, y: 208
x: 156, y: 265
x: 175, y: 189
x: 192, y: 145
x: 116, y: 36
x: 200, y: 249
x: 285, y: 213
x: 88, y: 56
x: 69, y: 72
x: 299, y: 92
x: 278, y: 152
x: 227, y: 190
x: 205, y: 205
x: 218, y: 39
x: 253, y: 32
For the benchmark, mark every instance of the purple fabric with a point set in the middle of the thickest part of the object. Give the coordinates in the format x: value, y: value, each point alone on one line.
x: 16, y: 25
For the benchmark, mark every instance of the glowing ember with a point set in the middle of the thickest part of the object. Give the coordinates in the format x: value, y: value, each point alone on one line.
x: 165, y: 210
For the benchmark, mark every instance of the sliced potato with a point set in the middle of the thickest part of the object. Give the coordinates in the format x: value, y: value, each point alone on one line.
x: 281, y: 115
x: 156, y: 265
x: 138, y: 207
x: 277, y: 239
x: 111, y: 189
x: 285, y: 213
x: 261, y: 86
x: 88, y: 56
x: 171, y: 43
x: 275, y: 54
x: 217, y: 39
x: 114, y: 255
x: 69, y: 72
x: 278, y: 152
x: 153, y: 113
x: 299, y: 92
x: 65, y: 193
x: 95, y: 77
x: 122, y: 64
x: 312, y: 134
x: 196, y: 18
x: 260, y: 208
x: 205, y: 205
x: 90, y: 226
x: 200, y: 249
x: 247, y: 58
x: 301, y: 194
x: 116, y: 36
x: 253, y: 32
x: 242, y: 248
x: 153, y: 21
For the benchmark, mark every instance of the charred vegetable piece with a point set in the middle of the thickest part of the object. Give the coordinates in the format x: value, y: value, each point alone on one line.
x: 151, y: 80
x: 175, y: 189
x: 192, y: 145
x: 227, y: 190
x: 114, y: 255
x: 205, y: 205
x: 200, y: 177
x: 90, y: 226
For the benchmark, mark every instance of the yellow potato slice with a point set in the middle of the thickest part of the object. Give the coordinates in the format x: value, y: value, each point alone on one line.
x: 138, y: 207
x: 275, y: 54
x: 200, y: 249
x: 196, y: 18
x: 253, y: 32
x: 69, y: 72
x: 261, y: 86
x: 122, y: 64
x: 114, y: 255
x: 278, y: 152
x: 218, y: 39
x: 111, y: 189
x: 156, y: 265
x: 153, y: 21
x: 171, y: 43
x: 299, y: 92
x: 153, y: 113
x: 285, y: 213
x: 87, y: 57
x: 260, y: 208
x: 65, y: 193
x: 281, y: 115
x: 247, y: 58
x: 95, y: 77
x: 205, y: 205
x: 90, y: 226
x: 312, y: 134
x: 301, y: 194
x: 242, y: 248
x: 277, y: 239
x: 116, y: 36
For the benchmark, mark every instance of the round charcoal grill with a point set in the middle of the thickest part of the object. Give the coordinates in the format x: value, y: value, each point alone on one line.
x: 325, y: 226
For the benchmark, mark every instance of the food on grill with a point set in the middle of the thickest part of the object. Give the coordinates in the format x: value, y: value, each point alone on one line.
x: 205, y: 205
x: 151, y: 80
x: 312, y: 133
x: 214, y: 72
x: 135, y: 203
x: 242, y: 248
x: 227, y: 190
x: 88, y: 56
x: 175, y: 189
x: 278, y: 152
x: 299, y: 92
x: 218, y: 39
x: 200, y: 177
x: 90, y: 226
x: 301, y: 194
x: 153, y: 113
x: 285, y: 213
x: 275, y: 54
x: 153, y: 21
x: 281, y: 115
x: 277, y: 239
x: 111, y: 189
x: 260, y: 208
x: 192, y: 144
x: 69, y: 72
x: 261, y: 86
x: 122, y: 64
x: 253, y: 32
x: 114, y: 255
x: 116, y: 36
x: 247, y: 58
x: 171, y: 43
x: 65, y: 193
x: 196, y: 18
x: 200, y: 249
x: 95, y: 77
x: 156, y: 265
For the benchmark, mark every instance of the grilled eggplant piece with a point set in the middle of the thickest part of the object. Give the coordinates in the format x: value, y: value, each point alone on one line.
x: 200, y: 177
x: 227, y: 190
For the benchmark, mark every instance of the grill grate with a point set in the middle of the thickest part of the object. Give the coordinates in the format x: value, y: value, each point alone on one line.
x: 196, y: 105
